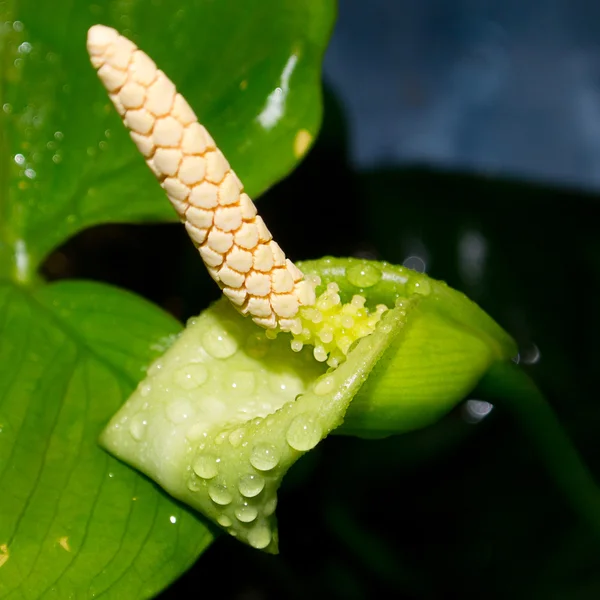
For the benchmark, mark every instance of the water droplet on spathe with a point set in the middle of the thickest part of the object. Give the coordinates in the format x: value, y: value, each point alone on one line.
x: 219, y: 343
x: 224, y: 521
x: 259, y: 537
x: 191, y: 376
x: 236, y: 437
x: 155, y: 368
x: 285, y: 383
x: 194, y: 484
x: 418, y: 286
x: 304, y: 432
x: 324, y: 385
x: 251, y: 485
x: 270, y: 506
x: 241, y: 383
x: 137, y: 428
x: 205, y: 466
x: 363, y: 276
x: 196, y: 431
x: 179, y: 411
x: 264, y: 456
x: 219, y: 493
x: 246, y: 513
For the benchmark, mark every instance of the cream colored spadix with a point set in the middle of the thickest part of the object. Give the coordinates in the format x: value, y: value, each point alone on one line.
x: 220, y: 218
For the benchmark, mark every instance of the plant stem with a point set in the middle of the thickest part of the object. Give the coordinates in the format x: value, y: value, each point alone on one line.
x: 508, y: 385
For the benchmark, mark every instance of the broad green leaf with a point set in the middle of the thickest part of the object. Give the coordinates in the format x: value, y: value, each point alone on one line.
x: 251, y: 71
x: 224, y: 414
x: 74, y: 522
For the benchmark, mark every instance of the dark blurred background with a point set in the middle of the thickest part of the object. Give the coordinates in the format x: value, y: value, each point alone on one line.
x: 461, y: 137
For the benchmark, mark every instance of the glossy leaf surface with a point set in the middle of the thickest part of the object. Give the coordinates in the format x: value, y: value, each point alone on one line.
x: 251, y: 71
x: 73, y: 519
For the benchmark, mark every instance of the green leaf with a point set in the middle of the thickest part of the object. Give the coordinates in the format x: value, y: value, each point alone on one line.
x: 74, y: 522
x: 227, y: 411
x: 251, y: 71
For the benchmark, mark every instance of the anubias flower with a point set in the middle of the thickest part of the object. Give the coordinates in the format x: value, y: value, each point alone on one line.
x: 356, y: 346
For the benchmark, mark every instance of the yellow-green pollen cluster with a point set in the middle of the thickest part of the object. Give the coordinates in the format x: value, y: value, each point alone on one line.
x: 332, y: 326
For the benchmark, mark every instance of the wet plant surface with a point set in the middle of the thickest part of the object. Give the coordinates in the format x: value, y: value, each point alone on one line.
x: 462, y: 508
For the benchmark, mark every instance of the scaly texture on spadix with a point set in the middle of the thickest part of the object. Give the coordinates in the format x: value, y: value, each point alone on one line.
x: 220, y: 218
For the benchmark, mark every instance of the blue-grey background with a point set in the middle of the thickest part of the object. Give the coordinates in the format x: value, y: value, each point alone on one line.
x: 499, y: 87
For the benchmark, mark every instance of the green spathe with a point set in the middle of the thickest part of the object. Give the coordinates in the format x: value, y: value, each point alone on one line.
x: 226, y: 411
x: 446, y: 346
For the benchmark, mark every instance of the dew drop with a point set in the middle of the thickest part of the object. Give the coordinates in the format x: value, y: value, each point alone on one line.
x: 259, y: 536
x: 363, y: 276
x: 137, y: 428
x: 219, y: 493
x: 179, y: 411
x: 400, y: 302
x: 324, y: 385
x: 251, y: 485
x: 241, y: 383
x: 386, y: 328
x: 205, y: 466
x: 195, y: 432
x: 191, y: 376
x: 320, y: 353
x: 246, y: 513
x: 236, y: 437
x: 304, y: 432
x: 264, y: 456
x: 224, y: 521
x: 296, y: 345
x: 418, y: 286
x: 145, y: 389
x: 219, y: 343
x: 285, y: 383
x: 155, y: 368
x: 270, y: 506
x: 194, y: 484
